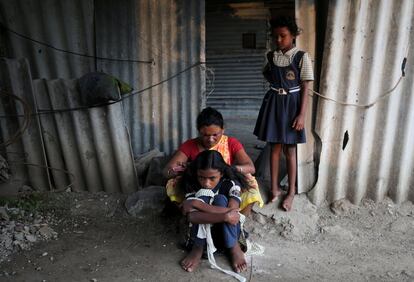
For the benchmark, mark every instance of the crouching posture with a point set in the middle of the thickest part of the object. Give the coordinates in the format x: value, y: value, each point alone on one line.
x: 212, y: 207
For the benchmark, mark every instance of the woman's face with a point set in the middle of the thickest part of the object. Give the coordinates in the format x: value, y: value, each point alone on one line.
x: 210, y: 135
x: 209, y: 178
x: 283, y: 38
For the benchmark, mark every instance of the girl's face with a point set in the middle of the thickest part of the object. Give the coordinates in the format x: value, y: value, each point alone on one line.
x: 209, y: 178
x: 283, y: 38
x: 210, y: 135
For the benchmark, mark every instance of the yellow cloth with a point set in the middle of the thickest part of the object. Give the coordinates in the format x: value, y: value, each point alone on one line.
x: 250, y: 195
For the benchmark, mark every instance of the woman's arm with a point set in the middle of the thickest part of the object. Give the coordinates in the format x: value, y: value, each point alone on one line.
x: 243, y: 162
x: 176, y: 165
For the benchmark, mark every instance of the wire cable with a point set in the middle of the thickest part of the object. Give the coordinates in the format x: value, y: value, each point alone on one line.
x: 72, y: 52
x: 26, y: 121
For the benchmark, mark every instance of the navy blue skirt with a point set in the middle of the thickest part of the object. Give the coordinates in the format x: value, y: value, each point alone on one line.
x: 275, y: 119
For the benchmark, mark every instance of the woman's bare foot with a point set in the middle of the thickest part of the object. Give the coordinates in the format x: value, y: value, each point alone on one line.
x: 288, y: 201
x: 276, y: 192
x: 238, y: 260
x: 192, y: 260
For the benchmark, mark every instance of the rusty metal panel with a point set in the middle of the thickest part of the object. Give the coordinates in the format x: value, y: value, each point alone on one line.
x: 149, y: 43
x: 170, y: 33
x: 92, y: 144
x: 66, y: 28
x: 88, y: 148
x: 366, y: 152
x: 25, y: 154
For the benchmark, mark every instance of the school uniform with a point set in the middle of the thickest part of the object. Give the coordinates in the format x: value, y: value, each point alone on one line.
x: 281, y: 104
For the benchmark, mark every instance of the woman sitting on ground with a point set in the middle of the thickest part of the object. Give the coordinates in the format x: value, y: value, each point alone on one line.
x: 210, y: 125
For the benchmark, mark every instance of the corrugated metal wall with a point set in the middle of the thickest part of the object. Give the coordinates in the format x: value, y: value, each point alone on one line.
x: 238, y: 86
x: 365, y: 44
x: 169, y: 34
x: 88, y: 149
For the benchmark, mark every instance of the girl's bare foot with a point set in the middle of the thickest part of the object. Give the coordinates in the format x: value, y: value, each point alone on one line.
x: 192, y: 260
x: 287, y: 202
x: 238, y: 260
x: 275, y: 194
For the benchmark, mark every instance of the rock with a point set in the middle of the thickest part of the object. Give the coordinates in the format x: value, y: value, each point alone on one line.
x: 149, y: 200
x: 25, y: 189
x: 142, y: 162
x: 155, y: 176
x: 47, y: 232
x: 19, y: 236
x: 3, y: 214
x: 342, y: 207
x: 31, y: 238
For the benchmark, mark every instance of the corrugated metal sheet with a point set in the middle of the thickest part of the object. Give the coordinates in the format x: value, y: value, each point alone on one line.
x: 365, y: 44
x: 238, y: 86
x: 170, y: 33
x: 91, y: 145
x: 306, y: 17
x: 15, y: 79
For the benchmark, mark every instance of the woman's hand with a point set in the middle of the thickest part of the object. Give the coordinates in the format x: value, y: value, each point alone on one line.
x: 186, y: 206
x: 299, y: 122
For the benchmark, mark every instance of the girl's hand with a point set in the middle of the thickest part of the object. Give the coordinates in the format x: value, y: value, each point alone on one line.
x: 299, y: 122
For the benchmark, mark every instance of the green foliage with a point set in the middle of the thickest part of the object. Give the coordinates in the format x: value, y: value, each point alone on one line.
x: 28, y: 202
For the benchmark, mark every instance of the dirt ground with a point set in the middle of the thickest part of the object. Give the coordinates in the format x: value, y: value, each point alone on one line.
x: 98, y: 241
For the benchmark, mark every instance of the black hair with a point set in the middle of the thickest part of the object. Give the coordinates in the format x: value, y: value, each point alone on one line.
x: 209, y: 159
x: 209, y: 116
x: 285, y: 21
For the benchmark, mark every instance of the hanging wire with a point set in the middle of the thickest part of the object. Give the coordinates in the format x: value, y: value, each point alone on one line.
x: 26, y: 121
x: 381, y: 97
x: 72, y: 52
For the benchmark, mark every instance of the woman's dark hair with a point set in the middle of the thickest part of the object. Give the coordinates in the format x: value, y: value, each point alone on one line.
x: 209, y: 116
x: 209, y: 159
x: 288, y: 22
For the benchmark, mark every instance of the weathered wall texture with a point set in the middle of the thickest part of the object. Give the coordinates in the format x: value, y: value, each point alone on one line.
x: 365, y: 44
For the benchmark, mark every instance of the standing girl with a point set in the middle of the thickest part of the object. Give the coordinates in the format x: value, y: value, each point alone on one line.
x: 281, y: 118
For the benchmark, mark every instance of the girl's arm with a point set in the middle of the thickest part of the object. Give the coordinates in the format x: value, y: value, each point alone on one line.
x: 176, y: 165
x: 243, y: 162
x: 299, y: 122
x: 198, y: 217
x: 189, y: 205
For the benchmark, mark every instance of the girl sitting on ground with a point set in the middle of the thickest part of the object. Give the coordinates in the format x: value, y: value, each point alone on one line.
x: 213, y: 198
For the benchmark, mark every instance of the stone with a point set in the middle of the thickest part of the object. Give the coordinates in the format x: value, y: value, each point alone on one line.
x: 31, y: 238
x: 3, y: 214
x: 155, y: 176
x: 148, y: 200
x: 142, y: 162
x: 47, y: 232
x: 342, y: 207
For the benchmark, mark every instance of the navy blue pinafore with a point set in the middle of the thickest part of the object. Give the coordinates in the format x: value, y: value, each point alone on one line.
x: 281, y: 104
